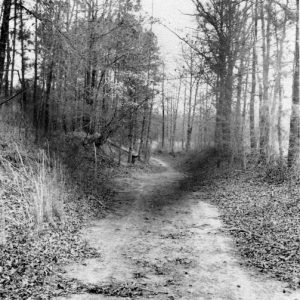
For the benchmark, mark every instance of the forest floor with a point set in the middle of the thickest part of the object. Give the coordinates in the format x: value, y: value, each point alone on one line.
x: 163, y: 239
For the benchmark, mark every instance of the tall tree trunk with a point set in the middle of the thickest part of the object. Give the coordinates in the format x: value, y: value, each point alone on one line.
x: 175, y: 117
x: 130, y: 138
x: 294, y: 140
x: 279, y: 86
x: 163, y: 109
x: 226, y: 108
x: 244, y: 122
x: 194, y: 108
x: 4, y: 37
x: 6, y: 77
x: 183, y: 118
x: 23, y: 65
x: 218, y: 126
x: 13, y: 49
x: 237, y: 137
x: 148, y: 142
x: 253, y: 141
x: 47, y: 98
x: 189, y: 120
x: 265, y: 122
x: 145, y: 113
x: 35, y: 104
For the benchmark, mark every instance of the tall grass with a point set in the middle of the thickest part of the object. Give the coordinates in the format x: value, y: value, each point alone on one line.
x: 48, y: 194
x: 32, y: 188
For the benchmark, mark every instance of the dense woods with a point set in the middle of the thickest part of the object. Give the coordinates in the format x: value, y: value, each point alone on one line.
x: 85, y: 88
x: 94, y: 67
x: 81, y: 66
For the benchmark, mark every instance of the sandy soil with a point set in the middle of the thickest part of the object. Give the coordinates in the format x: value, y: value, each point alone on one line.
x: 170, y: 244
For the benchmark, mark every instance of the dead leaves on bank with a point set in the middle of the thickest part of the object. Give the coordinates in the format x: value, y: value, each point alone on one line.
x: 264, y: 218
x: 27, y: 263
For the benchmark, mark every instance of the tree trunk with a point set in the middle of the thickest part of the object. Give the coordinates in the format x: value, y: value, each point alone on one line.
x: 189, y: 128
x: 4, y: 37
x: 13, y: 49
x: 141, y: 145
x: 253, y: 141
x: 175, y: 117
x: 148, y: 144
x: 194, y: 109
x: 294, y: 140
x: 237, y: 137
x: 163, y: 109
x: 6, y: 77
x: 35, y: 104
x: 279, y: 86
x: 47, y: 98
x: 218, y: 126
x: 264, y: 121
x: 226, y: 109
x: 183, y: 119
x: 23, y: 65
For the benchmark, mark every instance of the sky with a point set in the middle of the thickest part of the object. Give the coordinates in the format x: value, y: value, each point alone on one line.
x: 172, y: 13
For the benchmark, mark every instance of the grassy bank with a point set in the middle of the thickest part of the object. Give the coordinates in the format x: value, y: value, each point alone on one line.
x: 45, y: 201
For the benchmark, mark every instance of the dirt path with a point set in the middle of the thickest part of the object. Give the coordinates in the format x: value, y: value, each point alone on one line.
x: 167, y: 245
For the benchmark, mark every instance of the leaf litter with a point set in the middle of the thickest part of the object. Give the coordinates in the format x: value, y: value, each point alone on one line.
x: 263, y: 215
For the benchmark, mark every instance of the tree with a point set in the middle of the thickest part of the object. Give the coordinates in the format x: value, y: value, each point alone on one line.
x: 294, y: 140
x: 4, y: 34
x: 221, y: 23
x: 253, y: 141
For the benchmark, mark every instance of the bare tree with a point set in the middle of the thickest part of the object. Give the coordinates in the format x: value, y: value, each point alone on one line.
x: 294, y: 141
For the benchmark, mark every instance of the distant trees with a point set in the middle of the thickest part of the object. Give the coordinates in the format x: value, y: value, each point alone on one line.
x: 244, y: 49
x: 85, y: 65
x: 93, y: 66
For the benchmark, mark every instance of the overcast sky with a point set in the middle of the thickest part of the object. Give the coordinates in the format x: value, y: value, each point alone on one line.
x: 171, y: 13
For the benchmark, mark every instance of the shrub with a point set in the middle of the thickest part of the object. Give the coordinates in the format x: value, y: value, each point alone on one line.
x: 277, y: 172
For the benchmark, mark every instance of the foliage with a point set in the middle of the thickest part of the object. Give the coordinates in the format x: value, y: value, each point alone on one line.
x: 39, y: 241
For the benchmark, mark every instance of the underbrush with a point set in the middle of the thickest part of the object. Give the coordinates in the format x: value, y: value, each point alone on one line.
x: 43, y: 208
x: 261, y: 209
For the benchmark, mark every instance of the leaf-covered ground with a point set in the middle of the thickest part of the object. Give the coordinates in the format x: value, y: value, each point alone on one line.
x: 30, y: 258
x: 262, y: 213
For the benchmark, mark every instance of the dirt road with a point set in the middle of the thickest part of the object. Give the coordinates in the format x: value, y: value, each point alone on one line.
x: 161, y: 243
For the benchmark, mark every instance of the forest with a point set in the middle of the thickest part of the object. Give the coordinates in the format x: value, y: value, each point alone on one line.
x: 101, y: 132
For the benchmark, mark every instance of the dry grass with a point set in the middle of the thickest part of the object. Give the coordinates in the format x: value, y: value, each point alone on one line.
x: 32, y: 185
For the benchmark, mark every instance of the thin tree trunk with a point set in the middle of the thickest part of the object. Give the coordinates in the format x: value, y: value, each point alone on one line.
x: 163, y: 109
x: 294, y: 140
x: 264, y: 122
x: 183, y: 119
x: 148, y: 144
x: 279, y: 86
x: 23, y: 65
x: 13, y: 49
x: 47, y: 98
x: 4, y: 35
x: 237, y: 136
x: 253, y: 141
x: 175, y: 117
x: 6, y: 77
x: 2, y: 220
x: 189, y: 128
x: 244, y: 122
x: 35, y: 104
x: 141, y: 145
